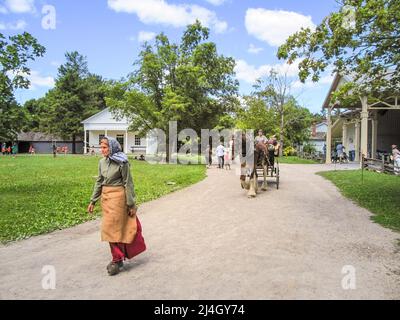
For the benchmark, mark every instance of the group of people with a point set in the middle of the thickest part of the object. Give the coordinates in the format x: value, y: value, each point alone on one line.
x: 9, y: 150
x: 223, y: 154
x: 340, y: 154
x: 58, y: 150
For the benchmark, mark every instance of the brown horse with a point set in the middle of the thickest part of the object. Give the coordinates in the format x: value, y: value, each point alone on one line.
x: 249, y: 176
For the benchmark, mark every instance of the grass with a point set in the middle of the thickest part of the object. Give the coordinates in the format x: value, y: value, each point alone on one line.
x: 41, y: 194
x: 296, y: 160
x: 379, y: 193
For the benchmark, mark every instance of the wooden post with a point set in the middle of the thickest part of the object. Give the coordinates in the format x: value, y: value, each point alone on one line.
x: 374, y: 144
x: 364, y: 126
x: 329, y: 137
x: 85, y: 143
x: 126, y: 142
x: 345, y: 138
x: 357, y: 140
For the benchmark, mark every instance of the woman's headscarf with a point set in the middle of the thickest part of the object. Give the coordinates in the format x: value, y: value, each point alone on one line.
x: 116, y: 153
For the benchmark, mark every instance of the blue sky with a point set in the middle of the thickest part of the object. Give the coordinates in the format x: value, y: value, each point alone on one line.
x: 110, y: 34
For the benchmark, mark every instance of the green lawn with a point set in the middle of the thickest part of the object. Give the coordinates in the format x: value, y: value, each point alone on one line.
x: 380, y: 193
x: 296, y: 160
x: 41, y: 194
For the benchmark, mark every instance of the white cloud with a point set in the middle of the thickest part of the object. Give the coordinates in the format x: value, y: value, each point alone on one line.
x: 40, y: 81
x: 21, y: 6
x: 324, y: 80
x: 3, y: 10
x: 35, y: 79
x: 274, y: 27
x: 216, y: 2
x: 144, y: 36
x: 17, y: 25
x: 250, y: 74
x: 175, y: 15
x: 254, y: 50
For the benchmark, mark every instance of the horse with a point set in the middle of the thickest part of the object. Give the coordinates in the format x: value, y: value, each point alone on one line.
x: 249, y: 176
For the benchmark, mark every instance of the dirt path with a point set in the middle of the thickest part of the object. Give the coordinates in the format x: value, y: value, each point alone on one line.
x: 210, y: 242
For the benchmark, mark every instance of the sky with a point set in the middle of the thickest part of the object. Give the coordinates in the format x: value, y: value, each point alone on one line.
x: 110, y: 33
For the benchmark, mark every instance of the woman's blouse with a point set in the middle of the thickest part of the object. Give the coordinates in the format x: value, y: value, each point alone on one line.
x: 113, y: 174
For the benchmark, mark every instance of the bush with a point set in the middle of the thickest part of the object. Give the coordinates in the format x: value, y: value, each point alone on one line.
x: 308, y: 148
x: 289, y: 152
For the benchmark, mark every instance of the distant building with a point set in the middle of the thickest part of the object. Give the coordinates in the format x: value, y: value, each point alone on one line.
x: 318, y: 136
x: 373, y: 125
x: 43, y: 143
x: 105, y: 124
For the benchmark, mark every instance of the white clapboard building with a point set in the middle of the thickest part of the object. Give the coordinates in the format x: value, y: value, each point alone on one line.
x: 105, y: 124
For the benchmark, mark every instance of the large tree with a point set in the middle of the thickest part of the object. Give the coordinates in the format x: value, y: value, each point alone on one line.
x: 15, y: 54
x: 77, y: 95
x: 256, y: 114
x: 275, y: 91
x: 187, y: 82
x: 362, y: 40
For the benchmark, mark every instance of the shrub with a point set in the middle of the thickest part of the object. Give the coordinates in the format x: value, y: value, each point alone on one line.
x: 308, y: 148
x: 289, y: 152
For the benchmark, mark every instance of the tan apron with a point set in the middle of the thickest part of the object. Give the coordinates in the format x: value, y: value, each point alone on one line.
x: 117, y: 226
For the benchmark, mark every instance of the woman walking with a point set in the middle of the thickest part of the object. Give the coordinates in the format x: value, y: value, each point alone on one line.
x: 114, y: 186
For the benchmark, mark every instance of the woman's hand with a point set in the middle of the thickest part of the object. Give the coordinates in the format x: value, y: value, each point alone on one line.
x: 132, y: 211
x: 90, y: 208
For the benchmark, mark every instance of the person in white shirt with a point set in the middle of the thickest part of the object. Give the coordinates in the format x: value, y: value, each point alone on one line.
x: 220, y: 151
x: 396, y: 159
x: 261, y: 138
x: 352, y: 150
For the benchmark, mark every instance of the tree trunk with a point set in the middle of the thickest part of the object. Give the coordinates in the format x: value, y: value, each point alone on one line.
x: 281, y: 134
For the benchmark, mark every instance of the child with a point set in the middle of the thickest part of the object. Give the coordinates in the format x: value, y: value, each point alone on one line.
x: 227, y: 160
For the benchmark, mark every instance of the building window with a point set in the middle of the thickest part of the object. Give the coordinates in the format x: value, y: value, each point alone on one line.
x: 101, y: 137
x: 138, y: 141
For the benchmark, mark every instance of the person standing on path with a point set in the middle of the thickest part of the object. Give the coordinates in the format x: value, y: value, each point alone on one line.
x: 114, y: 186
x: 396, y: 159
x: 352, y: 150
x: 339, y: 150
x: 221, y: 154
x: 208, y: 157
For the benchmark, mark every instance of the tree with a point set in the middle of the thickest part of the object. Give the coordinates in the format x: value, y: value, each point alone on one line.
x: 275, y: 91
x: 257, y: 115
x: 77, y: 95
x: 188, y: 82
x: 15, y: 53
x: 34, y: 112
x: 362, y: 40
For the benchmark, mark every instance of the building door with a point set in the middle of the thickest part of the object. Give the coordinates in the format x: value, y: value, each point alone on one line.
x: 121, y: 140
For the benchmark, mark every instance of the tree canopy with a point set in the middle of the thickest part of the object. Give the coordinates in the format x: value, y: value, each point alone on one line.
x: 77, y: 95
x: 188, y: 82
x: 15, y: 54
x: 361, y: 40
